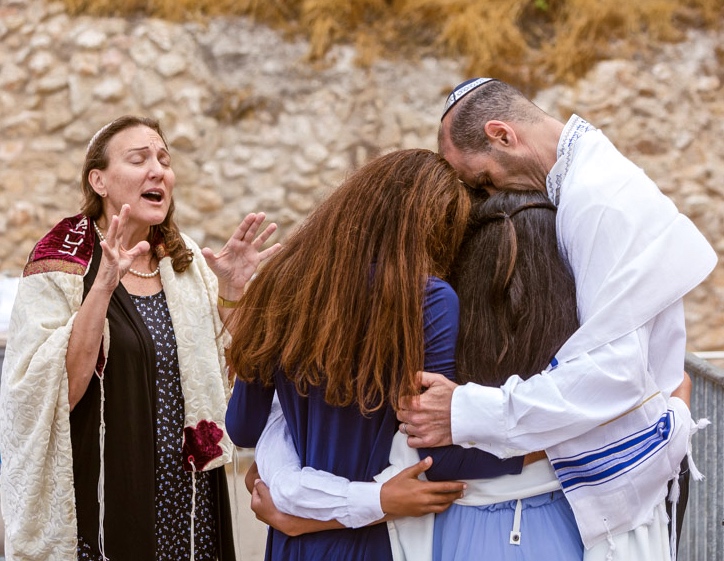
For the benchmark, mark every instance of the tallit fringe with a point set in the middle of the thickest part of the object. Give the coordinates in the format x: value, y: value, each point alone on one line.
x: 675, y: 491
x: 701, y: 424
x: 674, y: 500
x: 102, y: 472
x: 236, y: 467
x: 193, y: 508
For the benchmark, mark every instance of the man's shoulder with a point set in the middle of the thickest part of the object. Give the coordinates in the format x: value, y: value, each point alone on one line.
x: 67, y: 247
x: 598, y: 170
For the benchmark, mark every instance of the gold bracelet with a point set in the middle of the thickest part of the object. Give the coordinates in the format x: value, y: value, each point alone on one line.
x: 224, y: 303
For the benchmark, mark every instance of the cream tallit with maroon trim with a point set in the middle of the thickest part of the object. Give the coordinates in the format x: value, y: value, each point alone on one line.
x: 37, y: 481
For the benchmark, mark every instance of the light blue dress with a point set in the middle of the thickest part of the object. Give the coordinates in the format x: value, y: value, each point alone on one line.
x: 548, y: 532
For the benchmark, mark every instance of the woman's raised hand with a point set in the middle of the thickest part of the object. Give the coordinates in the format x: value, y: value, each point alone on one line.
x: 117, y: 259
x: 239, y: 259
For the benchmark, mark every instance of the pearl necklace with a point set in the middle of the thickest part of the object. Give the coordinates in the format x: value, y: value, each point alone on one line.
x: 130, y: 270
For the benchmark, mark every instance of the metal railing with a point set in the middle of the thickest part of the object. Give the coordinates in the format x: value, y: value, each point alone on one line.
x: 702, y: 537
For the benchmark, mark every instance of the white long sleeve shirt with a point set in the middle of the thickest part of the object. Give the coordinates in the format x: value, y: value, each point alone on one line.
x: 307, y: 492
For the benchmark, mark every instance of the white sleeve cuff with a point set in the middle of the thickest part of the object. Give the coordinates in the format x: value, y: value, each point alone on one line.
x: 320, y: 495
x: 477, y: 418
x: 365, y: 497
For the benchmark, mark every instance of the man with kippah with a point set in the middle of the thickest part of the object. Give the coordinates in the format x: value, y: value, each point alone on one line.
x: 603, y: 410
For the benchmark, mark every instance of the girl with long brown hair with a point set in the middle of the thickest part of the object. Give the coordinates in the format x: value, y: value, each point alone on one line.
x: 340, y: 321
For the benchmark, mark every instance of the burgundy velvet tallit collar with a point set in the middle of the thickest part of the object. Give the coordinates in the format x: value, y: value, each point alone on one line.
x: 68, y: 247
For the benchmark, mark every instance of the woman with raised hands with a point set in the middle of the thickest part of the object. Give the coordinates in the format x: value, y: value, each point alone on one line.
x: 115, y: 383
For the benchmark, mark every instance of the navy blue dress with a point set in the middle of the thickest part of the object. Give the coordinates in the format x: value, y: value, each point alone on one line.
x: 342, y: 441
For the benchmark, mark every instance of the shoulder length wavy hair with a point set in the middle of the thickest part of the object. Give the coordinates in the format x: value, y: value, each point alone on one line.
x: 341, y: 305
x: 165, y: 238
x: 517, y: 295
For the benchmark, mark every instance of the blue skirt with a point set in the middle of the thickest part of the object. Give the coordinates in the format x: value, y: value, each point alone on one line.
x: 547, y: 531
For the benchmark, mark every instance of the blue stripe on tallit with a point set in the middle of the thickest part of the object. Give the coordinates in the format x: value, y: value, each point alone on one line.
x: 603, y: 464
x: 661, y: 426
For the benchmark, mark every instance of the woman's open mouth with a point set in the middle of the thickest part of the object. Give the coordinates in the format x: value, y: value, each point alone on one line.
x: 153, y: 196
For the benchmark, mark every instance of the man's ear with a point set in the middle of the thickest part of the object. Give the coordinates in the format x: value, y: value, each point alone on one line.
x: 500, y: 133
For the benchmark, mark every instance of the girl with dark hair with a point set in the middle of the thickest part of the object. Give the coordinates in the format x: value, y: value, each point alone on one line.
x: 114, y: 385
x: 517, y: 295
x: 517, y: 307
x: 339, y: 323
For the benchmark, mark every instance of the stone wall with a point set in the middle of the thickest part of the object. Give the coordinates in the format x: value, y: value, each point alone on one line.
x: 253, y: 127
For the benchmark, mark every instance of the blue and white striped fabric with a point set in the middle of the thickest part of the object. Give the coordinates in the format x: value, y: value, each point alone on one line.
x: 620, y: 478
x: 595, y: 467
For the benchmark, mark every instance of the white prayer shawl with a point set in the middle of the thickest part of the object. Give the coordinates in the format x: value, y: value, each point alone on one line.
x: 632, y: 253
x: 633, y: 257
x: 38, y: 500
